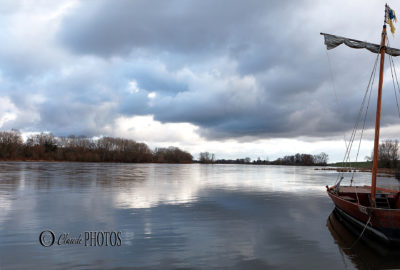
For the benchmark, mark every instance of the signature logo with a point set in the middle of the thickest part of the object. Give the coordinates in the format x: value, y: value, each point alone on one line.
x: 48, y: 238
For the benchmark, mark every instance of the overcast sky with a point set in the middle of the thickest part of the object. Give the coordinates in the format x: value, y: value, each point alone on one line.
x: 236, y: 78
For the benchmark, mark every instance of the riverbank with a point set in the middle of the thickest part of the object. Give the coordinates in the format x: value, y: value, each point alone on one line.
x: 382, y: 172
x: 363, y: 165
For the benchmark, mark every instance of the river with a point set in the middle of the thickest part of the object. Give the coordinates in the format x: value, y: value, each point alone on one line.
x: 164, y: 216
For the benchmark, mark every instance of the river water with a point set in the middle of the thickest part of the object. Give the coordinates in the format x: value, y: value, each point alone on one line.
x: 155, y: 216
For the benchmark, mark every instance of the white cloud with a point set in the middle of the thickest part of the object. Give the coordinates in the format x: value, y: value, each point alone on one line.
x: 185, y: 136
x: 146, y: 129
x: 133, y: 87
x: 152, y: 95
x: 8, y: 111
x: 224, y: 84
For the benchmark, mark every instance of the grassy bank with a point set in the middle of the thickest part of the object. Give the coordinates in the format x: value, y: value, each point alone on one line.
x: 364, y: 164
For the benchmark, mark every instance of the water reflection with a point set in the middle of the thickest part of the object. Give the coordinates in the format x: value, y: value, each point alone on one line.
x: 171, y: 216
x: 164, y: 184
x: 364, y: 253
x: 178, y: 184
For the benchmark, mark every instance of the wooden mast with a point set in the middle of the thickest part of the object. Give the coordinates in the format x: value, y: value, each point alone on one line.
x: 378, y: 117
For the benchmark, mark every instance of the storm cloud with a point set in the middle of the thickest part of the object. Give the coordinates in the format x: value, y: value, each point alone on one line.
x: 234, y: 69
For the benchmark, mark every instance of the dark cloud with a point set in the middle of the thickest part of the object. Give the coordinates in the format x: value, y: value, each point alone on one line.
x: 107, y: 28
x: 256, y: 69
x: 153, y: 77
x: 75, y: 118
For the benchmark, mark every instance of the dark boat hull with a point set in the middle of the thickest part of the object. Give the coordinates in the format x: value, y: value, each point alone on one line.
x: 383, y: 224
x: 365, y: 253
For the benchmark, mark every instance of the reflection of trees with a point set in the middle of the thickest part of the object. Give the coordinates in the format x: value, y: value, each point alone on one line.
x: 10, y: 176
x: 42, y: 175
x: 364, y: 253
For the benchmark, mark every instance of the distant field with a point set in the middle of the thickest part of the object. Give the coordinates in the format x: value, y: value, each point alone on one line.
x: 359, y: 166
x: 364, y: 164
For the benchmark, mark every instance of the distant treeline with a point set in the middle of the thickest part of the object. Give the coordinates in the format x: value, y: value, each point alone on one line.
x: 45, y: 146
x: 303, y: 159
x: 298, y: 159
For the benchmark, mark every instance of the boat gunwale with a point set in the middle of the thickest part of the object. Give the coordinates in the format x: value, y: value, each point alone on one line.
x: 330, y: 192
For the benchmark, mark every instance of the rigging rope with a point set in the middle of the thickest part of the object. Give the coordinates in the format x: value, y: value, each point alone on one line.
x: 363, y: 127
x: 359, y: 237
x: 331, y: 73
x: 394, y: 78
x: 394, y: 69
x: 346, y: 158
x: 363, y: 115
x: 334, y: 89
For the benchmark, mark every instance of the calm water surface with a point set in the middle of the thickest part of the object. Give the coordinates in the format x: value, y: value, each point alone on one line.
x: 177, y: 217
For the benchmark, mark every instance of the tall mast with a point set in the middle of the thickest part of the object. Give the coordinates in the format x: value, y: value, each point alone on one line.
x: 378, y: 117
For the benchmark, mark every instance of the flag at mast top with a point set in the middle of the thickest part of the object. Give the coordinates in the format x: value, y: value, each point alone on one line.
x: 390, y: 16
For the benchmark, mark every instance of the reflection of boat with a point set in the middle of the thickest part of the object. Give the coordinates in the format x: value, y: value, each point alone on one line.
x: 365, y: 253
x: 397, y: 175
x: 375, y: 210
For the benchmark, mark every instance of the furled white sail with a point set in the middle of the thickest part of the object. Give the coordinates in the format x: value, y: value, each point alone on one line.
x: 332, y: 41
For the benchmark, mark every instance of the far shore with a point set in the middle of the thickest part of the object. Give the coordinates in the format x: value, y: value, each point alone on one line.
x: 383, y: 172
x: 72, y: 161
x: 217, y: 162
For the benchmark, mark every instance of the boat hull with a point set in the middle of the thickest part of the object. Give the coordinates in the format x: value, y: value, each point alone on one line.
x: 368, y: 253
x: 383, y: 224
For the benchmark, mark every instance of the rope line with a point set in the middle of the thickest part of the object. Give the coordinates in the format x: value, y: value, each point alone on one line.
x: 359, y: 237
x: 362, y: 115
x: 394, y: 78
x: 346, y: 158
x: 363, y: 127
x: 334, y: 89
x: 395, y: 74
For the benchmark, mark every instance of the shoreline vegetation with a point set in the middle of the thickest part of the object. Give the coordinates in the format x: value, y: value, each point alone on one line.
x: 293, y: 160
x: 382, y: 172
x: 364, y: 166
x: 388, y: 161
x: 46, y: 147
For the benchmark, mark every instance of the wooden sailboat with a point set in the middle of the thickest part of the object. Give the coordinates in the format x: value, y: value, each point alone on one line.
x: 376, y: 211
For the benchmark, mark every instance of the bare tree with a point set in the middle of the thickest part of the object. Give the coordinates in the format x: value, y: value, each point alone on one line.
x: 206, y: 157
x: 388, y: 153
x: 321, y: 159
x: 10, y: 144
x: 45, y: 146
